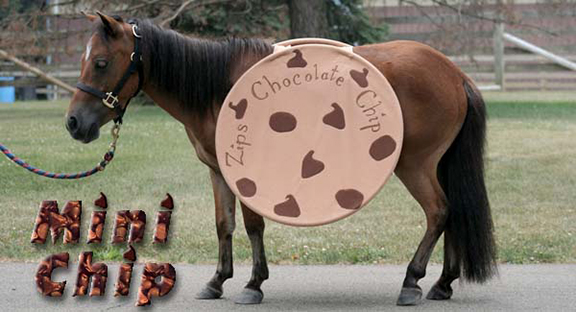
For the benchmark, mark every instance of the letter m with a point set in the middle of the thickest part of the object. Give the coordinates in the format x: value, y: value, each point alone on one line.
x: 50, y: 218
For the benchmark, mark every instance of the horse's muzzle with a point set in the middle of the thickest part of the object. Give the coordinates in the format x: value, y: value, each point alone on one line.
x: 80, y: 130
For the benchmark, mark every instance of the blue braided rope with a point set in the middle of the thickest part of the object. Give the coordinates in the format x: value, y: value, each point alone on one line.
x: 107, y: 159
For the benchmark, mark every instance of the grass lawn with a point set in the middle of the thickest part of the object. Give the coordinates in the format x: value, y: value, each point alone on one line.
x: 531, y: 179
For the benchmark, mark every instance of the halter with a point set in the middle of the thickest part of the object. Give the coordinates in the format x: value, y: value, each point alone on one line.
x: 110, y: 99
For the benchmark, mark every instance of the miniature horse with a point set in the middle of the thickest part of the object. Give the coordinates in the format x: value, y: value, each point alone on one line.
x: 441, y: 162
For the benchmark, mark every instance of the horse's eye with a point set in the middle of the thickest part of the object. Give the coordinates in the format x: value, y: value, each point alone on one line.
x: 101, y: 64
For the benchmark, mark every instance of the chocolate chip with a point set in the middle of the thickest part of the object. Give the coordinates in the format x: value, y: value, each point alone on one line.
x: 335, y: 118
x: 297, y: 60
x: 360, y: 77
x: 129, y: 254
x: 288, y: 208
x: 168, y: 202
x: 282, y: 122
x: 240, y: 108
x: 349, y: 198
x: 246, y: 187
x: 382, y: 147
x: 311, y: 166
x: 101, y: 201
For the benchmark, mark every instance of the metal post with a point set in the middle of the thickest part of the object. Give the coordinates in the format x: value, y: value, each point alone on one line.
x: 499, y: 65
x: 537, y: 50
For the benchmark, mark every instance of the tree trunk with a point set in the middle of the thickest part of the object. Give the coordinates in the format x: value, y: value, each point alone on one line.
x: 308, y: 18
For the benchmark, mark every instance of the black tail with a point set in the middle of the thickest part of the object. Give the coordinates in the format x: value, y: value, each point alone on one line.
x: 461, y: 174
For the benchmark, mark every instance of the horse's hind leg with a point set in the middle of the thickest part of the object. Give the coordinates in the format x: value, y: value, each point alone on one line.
x: 254, y: 223
x: 225, y: 202
x: 442, y: 289
x: 421, y: 180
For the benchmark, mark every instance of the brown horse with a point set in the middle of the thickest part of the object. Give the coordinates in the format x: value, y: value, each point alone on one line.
x: 441, y: 161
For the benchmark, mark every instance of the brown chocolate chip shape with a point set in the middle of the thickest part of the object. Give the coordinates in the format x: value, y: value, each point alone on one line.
x: 360, y: 77
x: 288, y: 208
x: 129, y: 254
x: 311, y: 166
x: 101, y: 201
x: 382, y: 147
x: 168, y: 202
x: 282, y: 122
x: 349, y: 198
x: 246, y: 187
x: 240, y: 108
x: 335, y: 118
x: 297, y: 60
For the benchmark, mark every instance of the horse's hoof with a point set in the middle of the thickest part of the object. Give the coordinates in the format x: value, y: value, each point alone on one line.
x: 437, y: 293
x: 409, y: 296
x: 209, y: 293
x: 249, y: 296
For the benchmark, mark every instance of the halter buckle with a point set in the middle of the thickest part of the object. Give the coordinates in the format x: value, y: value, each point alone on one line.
x: 132, y: 57
x: 110, y: 101
x: 134, y: 27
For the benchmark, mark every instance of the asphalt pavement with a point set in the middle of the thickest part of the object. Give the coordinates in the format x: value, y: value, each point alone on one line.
x: 306, y: 288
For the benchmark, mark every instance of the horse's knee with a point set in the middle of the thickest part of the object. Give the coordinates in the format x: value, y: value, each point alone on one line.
x: 225, y: 228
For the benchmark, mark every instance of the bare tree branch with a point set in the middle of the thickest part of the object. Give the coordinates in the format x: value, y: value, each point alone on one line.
x: 175, y: 15
x: 185, y: 4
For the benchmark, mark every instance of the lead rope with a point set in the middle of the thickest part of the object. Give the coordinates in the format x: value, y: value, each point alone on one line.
x: 99, y: 167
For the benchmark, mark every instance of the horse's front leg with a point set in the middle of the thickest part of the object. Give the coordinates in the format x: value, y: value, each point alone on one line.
x: 225, y: 202
x: 252, y: 294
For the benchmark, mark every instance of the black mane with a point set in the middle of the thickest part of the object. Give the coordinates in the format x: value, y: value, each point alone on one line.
x: 195, y: 71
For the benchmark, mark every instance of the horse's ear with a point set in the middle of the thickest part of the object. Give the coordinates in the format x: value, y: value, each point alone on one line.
x: 111, y: 25
x: 90, y: 17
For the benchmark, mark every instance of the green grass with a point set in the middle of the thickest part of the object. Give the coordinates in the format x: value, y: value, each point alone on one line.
x: 531, y: 179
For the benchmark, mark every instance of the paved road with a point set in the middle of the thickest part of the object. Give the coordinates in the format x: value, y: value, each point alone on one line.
x: 308, y: 288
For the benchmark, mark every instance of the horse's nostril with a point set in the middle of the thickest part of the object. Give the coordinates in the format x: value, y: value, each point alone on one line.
x: 72, y: 123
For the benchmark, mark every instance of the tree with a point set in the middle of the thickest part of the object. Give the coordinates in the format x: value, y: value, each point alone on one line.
x: 343, y: 20
x: 308, y: 18
x: 349, y: 23
x: 242, y: 18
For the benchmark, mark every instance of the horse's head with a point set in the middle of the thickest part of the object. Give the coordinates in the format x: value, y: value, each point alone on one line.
x: 104, y: 63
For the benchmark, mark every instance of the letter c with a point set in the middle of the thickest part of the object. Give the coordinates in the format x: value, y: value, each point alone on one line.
x: 254, y: 91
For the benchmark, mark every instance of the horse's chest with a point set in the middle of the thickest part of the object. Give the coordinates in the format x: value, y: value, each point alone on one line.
x: 204, y: 147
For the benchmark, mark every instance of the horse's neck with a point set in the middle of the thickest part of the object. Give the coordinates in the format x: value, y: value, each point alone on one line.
x: 171, y: 104
x: 168, y: 102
